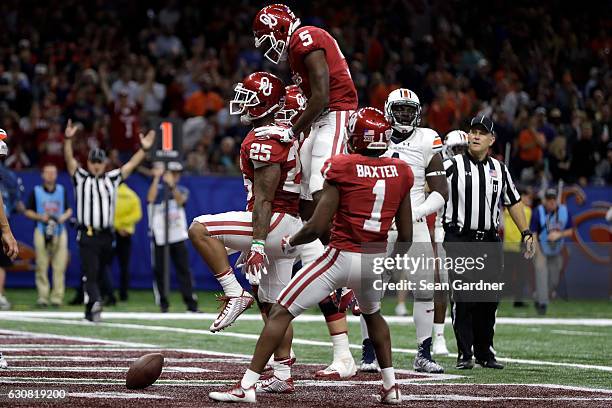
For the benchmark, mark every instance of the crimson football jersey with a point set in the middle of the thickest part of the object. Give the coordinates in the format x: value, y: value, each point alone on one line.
x: 342, y: 92
x: 371, y: 191
x: 257, y: 151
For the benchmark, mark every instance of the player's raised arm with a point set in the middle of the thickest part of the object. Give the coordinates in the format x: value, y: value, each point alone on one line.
x: 71, y: 163
x: 318, y: 225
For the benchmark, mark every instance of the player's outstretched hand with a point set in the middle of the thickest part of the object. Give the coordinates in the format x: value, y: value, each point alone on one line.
x: 285, y: 135
x: 146, y: 141
x: 256, y: 262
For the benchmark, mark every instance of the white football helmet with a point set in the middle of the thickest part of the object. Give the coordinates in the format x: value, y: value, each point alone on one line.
x: 403, y: 110
x: 454, y: 142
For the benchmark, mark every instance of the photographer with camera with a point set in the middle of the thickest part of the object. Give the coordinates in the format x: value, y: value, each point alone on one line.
x: 48, y: 206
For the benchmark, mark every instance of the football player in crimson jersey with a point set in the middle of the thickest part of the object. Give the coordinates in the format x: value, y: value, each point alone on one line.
x: 334, y: 306
x: 271, y: 171
x: 363, y: 192
x: 320, y: 70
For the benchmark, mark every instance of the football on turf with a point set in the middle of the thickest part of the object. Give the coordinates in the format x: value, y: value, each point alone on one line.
x: 144, y: 371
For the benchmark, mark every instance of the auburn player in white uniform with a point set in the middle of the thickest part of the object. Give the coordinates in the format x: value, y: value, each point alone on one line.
x: 320, y: 70
x: 455, y: 142
x: 420, y: 148
x: 271, y: 171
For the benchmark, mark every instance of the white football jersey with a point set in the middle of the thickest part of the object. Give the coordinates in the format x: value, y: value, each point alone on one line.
x: 417, y: 151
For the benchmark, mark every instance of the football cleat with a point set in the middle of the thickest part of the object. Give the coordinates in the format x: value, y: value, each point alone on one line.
x: 275, y: 385
x: 391, y: 396
x: 234, y: 394
x: 423, y: 363
x: 233, y: 306
x: 3, y: 362
x: 270, y: 364
x: 368, y: 358
x: 339, y: 369
x: 439, y: 346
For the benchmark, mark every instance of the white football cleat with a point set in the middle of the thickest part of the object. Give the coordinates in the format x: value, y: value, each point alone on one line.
x: 339, y: 369
x: 392, y: 396
x: 233, y: 306
x: 3, y: 362
x: 4, y: 303
x: 400, y: 310
x: 439, y: 346
x: 234, y: 394
x: 275, y: 385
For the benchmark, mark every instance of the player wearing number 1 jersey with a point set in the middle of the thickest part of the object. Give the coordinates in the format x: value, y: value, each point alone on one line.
x: 363, y: 193
x: 272, y: 175
x: 321, y: 71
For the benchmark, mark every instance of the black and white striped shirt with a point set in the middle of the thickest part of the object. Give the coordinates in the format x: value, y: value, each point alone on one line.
x: 96, y: 197
x: 475, y: 191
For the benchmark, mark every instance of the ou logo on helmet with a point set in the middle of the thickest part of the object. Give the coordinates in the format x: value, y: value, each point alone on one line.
x: 268, y: 20
x: 265, y: 86
x: 352, y: 122
x: 300, y: 100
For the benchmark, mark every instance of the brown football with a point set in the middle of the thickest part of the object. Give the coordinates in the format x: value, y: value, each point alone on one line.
x: 144, y: 371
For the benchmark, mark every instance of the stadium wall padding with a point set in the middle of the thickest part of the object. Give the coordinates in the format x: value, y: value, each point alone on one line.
x: 214, y: 194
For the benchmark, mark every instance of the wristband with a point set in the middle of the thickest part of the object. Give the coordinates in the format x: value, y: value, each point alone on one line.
x: 258, y: 242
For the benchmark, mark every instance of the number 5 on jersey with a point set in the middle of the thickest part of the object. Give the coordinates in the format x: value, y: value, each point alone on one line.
x: 260, y: 152
x: 373, y: 224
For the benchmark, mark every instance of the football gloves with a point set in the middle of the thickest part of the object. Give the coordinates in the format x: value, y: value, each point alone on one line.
x: 256, y: 262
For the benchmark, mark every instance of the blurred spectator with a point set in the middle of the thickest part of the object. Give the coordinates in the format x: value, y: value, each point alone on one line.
x: 224, y: 160
x: 152, y: 95
x: 583, y: 155
x: 531, y: 144
x: 48, y: 205
x: 204, y: 100
x: 17, y: 160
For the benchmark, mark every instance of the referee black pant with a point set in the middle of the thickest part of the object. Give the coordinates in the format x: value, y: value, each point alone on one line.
x: 96, y: 253
x: 179, y: 257
x: 473, y: 313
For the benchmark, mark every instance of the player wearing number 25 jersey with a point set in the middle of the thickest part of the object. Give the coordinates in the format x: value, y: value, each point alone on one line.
x: 362, y: 194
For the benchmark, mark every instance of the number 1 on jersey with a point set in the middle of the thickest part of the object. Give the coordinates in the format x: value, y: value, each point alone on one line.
x: 373, y: 224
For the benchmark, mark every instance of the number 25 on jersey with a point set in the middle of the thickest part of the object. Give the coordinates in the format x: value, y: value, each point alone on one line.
x: 260, y: 152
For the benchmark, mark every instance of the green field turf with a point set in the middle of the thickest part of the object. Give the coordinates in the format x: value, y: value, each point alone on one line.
x: 559, y: 343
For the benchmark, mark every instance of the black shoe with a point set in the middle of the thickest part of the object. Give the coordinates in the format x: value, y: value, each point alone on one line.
x: 123, y: 297
x: 492, y: 363
x: 519, y: 303
x: 193, y: 309
x: 541, y: 308
x: 163, y: 309
x: 93, y: 313
x: 466, y: 364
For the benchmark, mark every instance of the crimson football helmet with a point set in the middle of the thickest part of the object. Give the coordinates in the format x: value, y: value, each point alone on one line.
x: 368, y: 130
x: 258, y: 95
x: 275, y: 23
x: 295, y: 104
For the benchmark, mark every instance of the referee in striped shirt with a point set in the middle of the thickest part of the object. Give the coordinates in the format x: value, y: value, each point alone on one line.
x: 478, y: 185
x: 96, y: 195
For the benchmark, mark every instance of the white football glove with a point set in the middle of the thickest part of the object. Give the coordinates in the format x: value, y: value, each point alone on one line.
x: 256, y: 262
x: 285, y: 135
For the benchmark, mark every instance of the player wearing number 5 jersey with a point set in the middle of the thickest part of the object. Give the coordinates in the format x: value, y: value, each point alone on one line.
x: 271, y: 171
x: 363, y: 193
x: 320, y: 70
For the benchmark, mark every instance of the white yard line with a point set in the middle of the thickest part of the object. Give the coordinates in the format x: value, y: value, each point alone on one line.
x: 167, y: 329
x: 459, y: 397
x: 523, y: 321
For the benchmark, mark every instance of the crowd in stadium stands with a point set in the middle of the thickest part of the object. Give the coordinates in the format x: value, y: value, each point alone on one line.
x: 542, y: 72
